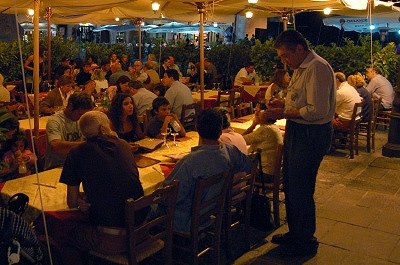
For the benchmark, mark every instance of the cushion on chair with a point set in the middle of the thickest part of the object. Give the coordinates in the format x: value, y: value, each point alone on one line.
x: 144, y: 251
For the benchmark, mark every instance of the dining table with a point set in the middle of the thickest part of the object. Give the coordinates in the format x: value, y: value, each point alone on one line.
x: 240, y: 125
x: 210, y: 97
x: 53, y: 194
x: 24, y: 124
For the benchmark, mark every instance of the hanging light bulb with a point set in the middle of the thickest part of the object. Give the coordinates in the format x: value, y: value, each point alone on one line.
x: 117, y: 19
x: 31, y: 12
x: 327, y: 11
x: 372, y: 27
x: 252, y: 1
x: 215, y: 24
x: 249, y: 14
x: 155, y: 6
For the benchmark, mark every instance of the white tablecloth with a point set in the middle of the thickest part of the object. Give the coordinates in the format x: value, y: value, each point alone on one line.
x: 54, y: 194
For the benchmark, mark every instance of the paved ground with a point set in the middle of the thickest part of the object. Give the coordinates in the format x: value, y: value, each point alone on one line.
x: 358, y: 212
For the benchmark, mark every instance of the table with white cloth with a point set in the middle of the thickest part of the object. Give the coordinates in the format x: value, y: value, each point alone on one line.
x: 210, y: 97
x: 250, y: 92
x: 54, y: 193
x: 241, y: 124
x: 24, y: 124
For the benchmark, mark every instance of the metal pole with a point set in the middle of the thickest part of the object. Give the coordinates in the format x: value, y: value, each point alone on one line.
x: 139, y: 25
x: 284, y: 21
x: 48, y: 16
x: 36, y: 5
x: 202, y: 9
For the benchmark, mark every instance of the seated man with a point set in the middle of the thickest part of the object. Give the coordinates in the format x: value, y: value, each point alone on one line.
x: 246, y: 74
x: 211, y: 157
x: 142, y: 97
x: 137, y: 73
x: 57, y: 98
x: 380, y: 87
x: 346, y: 97
x: 163, y: 120
x: 62, y: 129
x: 84, y: 75
x: 108, y: 181
x: 177, y: 94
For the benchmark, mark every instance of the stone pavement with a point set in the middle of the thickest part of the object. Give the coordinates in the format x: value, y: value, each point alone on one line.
x: 358, y: 212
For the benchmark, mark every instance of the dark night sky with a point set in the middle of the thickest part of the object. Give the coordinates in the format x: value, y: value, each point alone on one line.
x: 311, y: 26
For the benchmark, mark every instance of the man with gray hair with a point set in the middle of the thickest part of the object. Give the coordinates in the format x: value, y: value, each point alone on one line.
x: 105, y: 165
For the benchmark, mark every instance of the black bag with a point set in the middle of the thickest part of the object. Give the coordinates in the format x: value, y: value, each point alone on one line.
x: 261, y: 217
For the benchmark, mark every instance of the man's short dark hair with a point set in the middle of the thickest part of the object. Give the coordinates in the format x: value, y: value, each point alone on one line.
x: 65, y: 80
x: 225, y: 118
x: 248, y: 64
x: 135, y: 84
x: 209, y: 124
x: 122, y: 80
x: 158, y: 102
x: 290, y: 39
x: 172, y: 73
x: 165, y: 58
x: 80, y: 100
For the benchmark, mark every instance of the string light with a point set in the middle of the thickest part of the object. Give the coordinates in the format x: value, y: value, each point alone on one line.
x: 327, y: 11
x: 252, y: 1
x: 249, y: 14
x: 155, y: 6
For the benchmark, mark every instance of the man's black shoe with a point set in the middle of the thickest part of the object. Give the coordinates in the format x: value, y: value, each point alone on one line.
x: 285, y: 238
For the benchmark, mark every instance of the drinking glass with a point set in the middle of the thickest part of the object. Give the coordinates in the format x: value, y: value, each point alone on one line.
x: 214, y: 86
x: 165, y: 134
x: 175, y: 134
x: 218, y: 86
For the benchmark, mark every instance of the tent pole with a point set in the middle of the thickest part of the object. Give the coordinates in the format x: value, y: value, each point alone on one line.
x: 201, y: 8
x: 139, y: 25
x: 36, y: 5
x: 48, y: 17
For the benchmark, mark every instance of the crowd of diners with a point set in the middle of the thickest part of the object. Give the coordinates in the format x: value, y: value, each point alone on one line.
x: 95, y: 147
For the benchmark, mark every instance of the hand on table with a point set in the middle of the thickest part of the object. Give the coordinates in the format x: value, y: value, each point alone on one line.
x: 83, y: 205
x: 134, y: 147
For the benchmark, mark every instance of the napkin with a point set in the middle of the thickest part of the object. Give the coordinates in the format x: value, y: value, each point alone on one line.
x: 167, y: 169
x: 182, y: 139
x: 241, y: 120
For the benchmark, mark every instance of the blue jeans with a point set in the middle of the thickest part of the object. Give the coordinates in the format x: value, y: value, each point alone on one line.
x: 304, y: 147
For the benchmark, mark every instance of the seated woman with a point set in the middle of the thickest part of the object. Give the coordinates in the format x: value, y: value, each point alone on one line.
x: 124, y: 120
x: 266, y: 138
x: 229, y: 136
x: 357, y: 81
x: 278, y: 86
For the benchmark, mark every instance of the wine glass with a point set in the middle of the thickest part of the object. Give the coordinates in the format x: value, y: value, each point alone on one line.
x: 218, y: 86
x: 214, y: 86
x: 175, y: 134
x: 165, y: 134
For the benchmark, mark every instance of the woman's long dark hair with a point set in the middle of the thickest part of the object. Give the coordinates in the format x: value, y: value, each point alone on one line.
x: 116, y: 110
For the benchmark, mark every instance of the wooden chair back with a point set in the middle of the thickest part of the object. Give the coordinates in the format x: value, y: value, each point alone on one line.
x: 189, y: 121
x: 225, y: 98
x: 239, y: 194
x: 350, y: 135
x: 207, y: 214
x: 159, y: 230
x: 244, y: 109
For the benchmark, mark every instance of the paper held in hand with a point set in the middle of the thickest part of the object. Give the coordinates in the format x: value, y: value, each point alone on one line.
x: 149, y: 143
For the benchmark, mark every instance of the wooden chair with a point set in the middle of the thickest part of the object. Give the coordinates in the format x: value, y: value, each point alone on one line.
x: 272, y: 189
x: 189, y: 122
x: 207, y: 214
x: 349, y: 137
x: 383, y: 118
x: 244, y: 109
x: 159, y: 230
x: 367, y: 129
x: 238, y: 200
x: 225, y: 98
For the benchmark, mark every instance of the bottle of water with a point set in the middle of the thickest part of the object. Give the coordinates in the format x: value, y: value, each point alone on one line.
x: 175, y: 125
x: 106, y: 100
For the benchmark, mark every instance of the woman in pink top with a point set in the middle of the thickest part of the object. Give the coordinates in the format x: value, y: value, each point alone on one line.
x: 229, y: 136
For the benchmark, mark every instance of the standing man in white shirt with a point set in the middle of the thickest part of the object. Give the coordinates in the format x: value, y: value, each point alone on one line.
x: 381, y: 87
x: 309, y: 108
x: 177, y: 94
x: 246, y: 74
